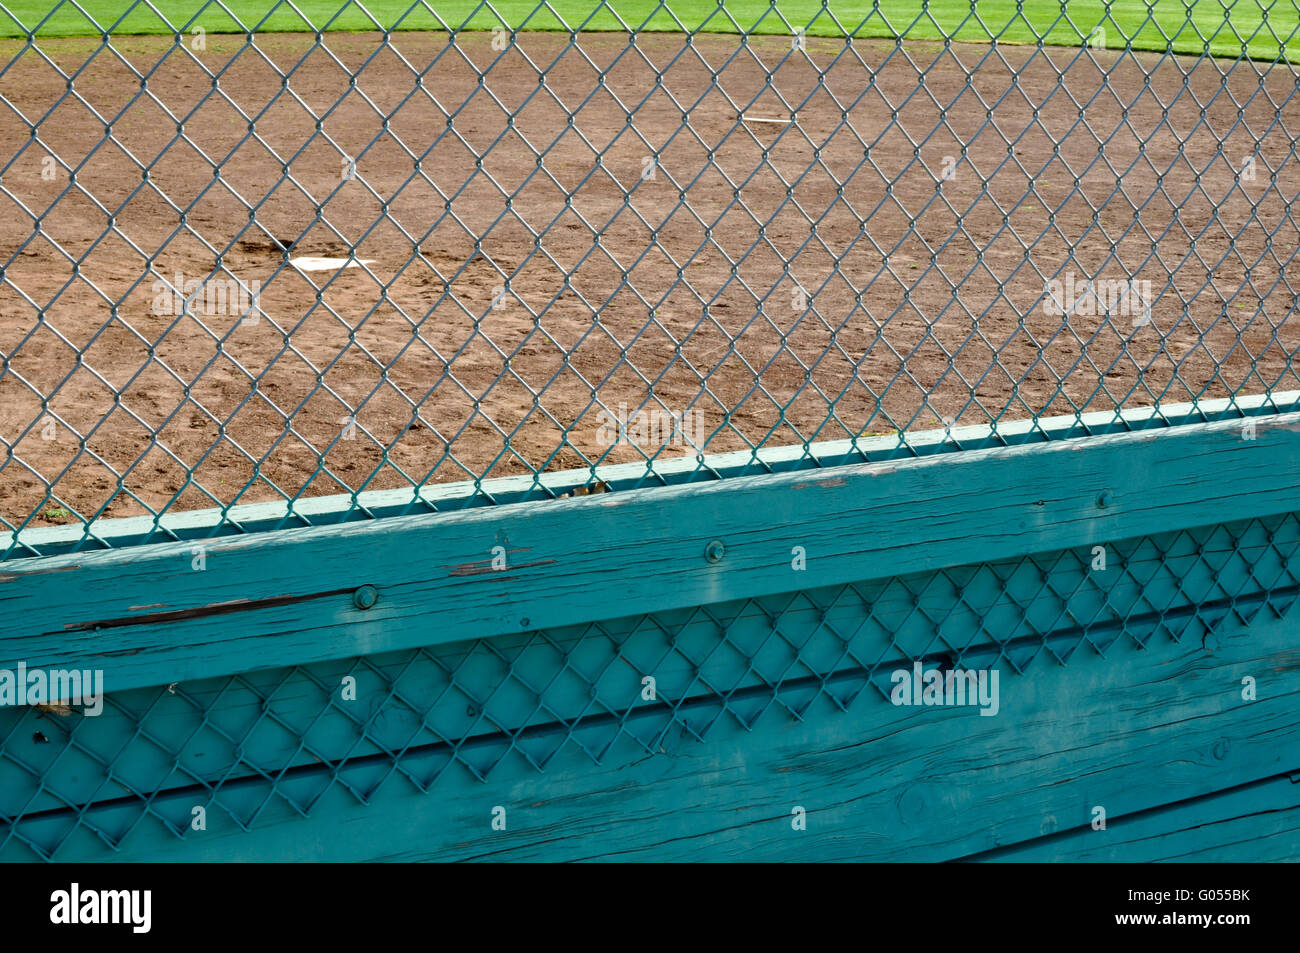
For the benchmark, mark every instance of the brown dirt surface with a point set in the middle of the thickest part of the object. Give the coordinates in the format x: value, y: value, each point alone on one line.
x: 924, y: 299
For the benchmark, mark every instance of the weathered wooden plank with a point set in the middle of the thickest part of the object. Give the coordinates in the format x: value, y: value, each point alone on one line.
x: 1253, y: 823
x: 887, y: 623
x: 145, y: 617
x: 1139, y: 729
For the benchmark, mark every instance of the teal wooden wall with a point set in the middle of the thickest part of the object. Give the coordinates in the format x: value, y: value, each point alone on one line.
x: 481, y: 687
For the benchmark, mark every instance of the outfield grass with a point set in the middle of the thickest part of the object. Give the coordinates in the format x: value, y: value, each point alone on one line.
x: 1258, y: 26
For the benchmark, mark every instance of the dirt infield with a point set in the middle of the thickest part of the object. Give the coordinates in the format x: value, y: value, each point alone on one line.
x: 922, y: 300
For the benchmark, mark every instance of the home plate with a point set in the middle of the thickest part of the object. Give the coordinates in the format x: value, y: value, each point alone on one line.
x: 329, y: 264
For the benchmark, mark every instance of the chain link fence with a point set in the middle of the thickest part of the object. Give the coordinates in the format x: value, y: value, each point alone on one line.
x: 265, y: 267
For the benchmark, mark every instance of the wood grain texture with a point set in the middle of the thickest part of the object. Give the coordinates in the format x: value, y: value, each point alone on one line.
x: 837, y: 630
x: 1133, y: 732
x: 1257, y: 822
x: 277, y: 598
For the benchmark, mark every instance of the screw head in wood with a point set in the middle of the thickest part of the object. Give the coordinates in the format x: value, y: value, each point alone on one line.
x: 715, y: 551
x: 365, y: 597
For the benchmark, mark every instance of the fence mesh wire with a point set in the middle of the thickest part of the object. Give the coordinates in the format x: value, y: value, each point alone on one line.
x: 262, y: 746
x: 249, y: 267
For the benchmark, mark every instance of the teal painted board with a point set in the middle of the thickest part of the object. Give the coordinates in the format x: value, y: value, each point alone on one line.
x: 285, y: 597
x: 786, y: 685
x: 780, y: 650
x: 1252, y: 823
x: 1129, y: 732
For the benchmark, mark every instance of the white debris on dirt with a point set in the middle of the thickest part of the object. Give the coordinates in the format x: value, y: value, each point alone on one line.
x: 308, y: 263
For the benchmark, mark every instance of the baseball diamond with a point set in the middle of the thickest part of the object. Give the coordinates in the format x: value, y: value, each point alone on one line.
x: 450, y: 431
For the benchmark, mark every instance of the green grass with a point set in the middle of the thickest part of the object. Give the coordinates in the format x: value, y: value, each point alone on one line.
x: 1265, y: 29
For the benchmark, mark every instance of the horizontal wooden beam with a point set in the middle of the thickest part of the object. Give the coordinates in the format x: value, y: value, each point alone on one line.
x: 1130, y: 733
x: 161, y: 613
x: 1256, y: 822
x: 330, y: 510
